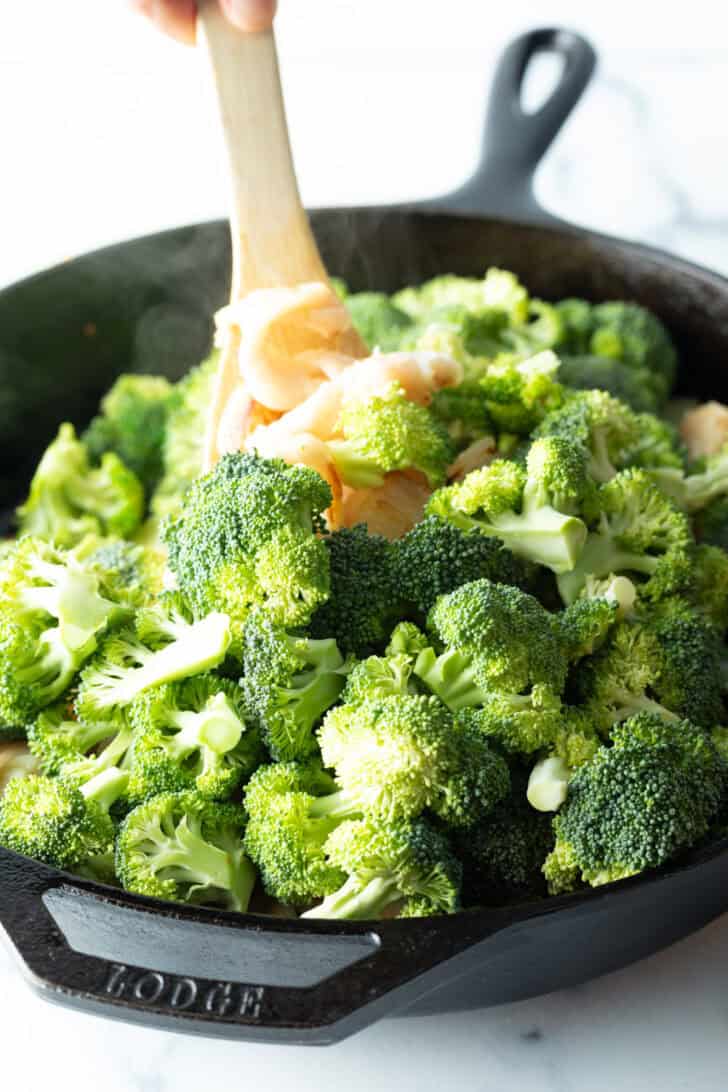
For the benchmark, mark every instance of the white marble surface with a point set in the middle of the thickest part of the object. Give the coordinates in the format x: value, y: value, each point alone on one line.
x: 105, y: 134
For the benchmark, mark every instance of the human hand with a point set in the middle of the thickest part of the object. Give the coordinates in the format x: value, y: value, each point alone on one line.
x: 177, y: 17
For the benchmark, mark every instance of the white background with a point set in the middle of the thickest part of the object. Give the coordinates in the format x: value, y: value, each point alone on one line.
x: 106, y: 132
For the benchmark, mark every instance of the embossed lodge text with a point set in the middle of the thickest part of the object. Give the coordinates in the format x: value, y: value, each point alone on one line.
x: 181, y: 994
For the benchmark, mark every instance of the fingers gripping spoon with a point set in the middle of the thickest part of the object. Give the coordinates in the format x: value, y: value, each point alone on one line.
x: 272, y: 242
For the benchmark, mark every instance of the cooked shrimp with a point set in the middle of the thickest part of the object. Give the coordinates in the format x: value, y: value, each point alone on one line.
x: 419, y: 374
x: 705, y: 429
x: 480, y: 453
x: 392, y: 509
x: 241, y: 416
x: 291, y: 340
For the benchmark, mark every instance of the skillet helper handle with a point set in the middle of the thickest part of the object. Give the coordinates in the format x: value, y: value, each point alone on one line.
x: 514, y: 141
x: 226, y: 975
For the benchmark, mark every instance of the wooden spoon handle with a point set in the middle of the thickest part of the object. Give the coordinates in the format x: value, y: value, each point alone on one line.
x: 273, y: 244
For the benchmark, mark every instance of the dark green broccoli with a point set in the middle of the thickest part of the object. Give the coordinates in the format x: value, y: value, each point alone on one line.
x: 389, y: 432
x: 191, y: 735
x: 394, y: 756
x: 246, y: 537
x: 59, y: 820
x: 182, y: 847
x: 166, y: 645
x: 585, y: 372
x: 637, y: 803
x: 708, y: 591
x: 132, y: 424
x: 289, y: 682
x: 377, y: 320
x: 436, y: 557
x: 502, y: 855
x: 638, y: 530
x: 283, y: 838
x: 406, y: 862
x: 363, y: 601
x: 69, y: 499
x: 184, y: 437
x: 531, y: 511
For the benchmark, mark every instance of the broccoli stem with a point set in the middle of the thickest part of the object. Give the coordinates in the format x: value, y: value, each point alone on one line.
x: 216, y: 727
x: 187, y: 857
x: 601, y: 557
x: 355, y: 902
x: 451, y: 677
x: 336, y: 805
x: 625, y: 705
x: 541, y: 534
x: 106, y: 788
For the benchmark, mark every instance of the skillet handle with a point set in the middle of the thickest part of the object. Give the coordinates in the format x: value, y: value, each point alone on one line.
x: 225, y: 975
x: 514, y: 142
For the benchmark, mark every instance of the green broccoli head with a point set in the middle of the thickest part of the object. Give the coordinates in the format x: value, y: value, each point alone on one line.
x: 290, y: 681
x: 379, y: 322
x: 519, y: 393
x: 636, y: 803
x: 130, y: 574
x: 132, y: 424
x: 502, y: 855
x: 637, y: 530
x: 463, y: 412
x: 586, y: 372
x: 284, y: 839
x: 58, y: 821
x: 364, y: 596
x: 183, y: 847
x: 406, y: 862
x: 516, y: 506
x: 510, y: 638
x: 518, y: 723
x: 184, y: 436
x: 69, y: 499
x: 56, y: 737
x: 246, y: 538
x: 191, y: 735
x: 584, y: 625
x: 602, y: 426
x: 436, y: 557
x: 394, y: 756
x: 385, y: 433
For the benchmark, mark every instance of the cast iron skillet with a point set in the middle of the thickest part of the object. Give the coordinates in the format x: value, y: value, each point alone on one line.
x: 145, y: 305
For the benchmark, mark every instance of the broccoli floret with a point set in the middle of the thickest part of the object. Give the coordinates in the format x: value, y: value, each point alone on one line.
x: 191, y: 735
x: 182, y: 847
x: 379, y: 322
x: 364, y: 596
x: 51, y: 614
x: 379, y: 677
x: 522, y: 508
x: 584, y: 372
x: 69, y: 499
x: 711, y: 523
x: 668, y: 664
x: 57, y: 737
x: 502, y: 856
x: 519, y: 393
x: 707, y: 481
x: 283, y: 838
x: 184, y: 437
x: 385, y: 863
x: 638, y: 530
x: 519, y: 723
x: 132, y: 424
x: 395, y: 756
x: 599, y: 424
x: 385, y: 433
x: 131, y: 574
x: 436, y: 557
x: 246, y: 538
x: 708, y: 592
x: 499, y: 293
x: 584, y: 625
x: 511, y: 640
x: 463, y: 412
x: 290, y: 681
x: 166, y: 645
x: 636, y: 804
x: 58, y: 821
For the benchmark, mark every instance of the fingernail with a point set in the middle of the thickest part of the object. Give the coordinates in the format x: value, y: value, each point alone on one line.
x: 250, y: 15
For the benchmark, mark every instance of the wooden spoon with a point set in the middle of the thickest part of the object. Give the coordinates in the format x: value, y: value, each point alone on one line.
x: 272, y: 242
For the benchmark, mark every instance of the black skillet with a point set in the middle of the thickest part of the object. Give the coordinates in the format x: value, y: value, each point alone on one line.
x: 146, y: 305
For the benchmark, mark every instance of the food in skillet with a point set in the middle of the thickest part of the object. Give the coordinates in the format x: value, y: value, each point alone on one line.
x: 444, y: 628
